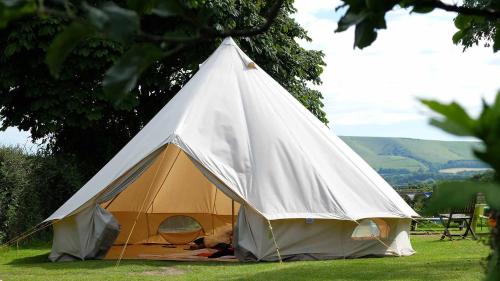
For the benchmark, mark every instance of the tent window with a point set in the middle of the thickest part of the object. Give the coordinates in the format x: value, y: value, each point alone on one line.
x: 370, y: 229
x: 180, y: 229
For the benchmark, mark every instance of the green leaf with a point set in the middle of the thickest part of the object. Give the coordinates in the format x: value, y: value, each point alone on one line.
x: 456, y: 120
x: 422, y: 9
x: 457, y: 37
x: 141, y: 6
x: 122, y: 77
x: 115, y: 22
x: 459, y: 194
x: 364, y: 35
x: 451, y: 195
x: 169, y: 8
x: 10, y: 50
x: 350, y: 19
x: 381, y: 6
x: 496, y: 38
x: 64, y: 43
x: 463, y: 22
x: 13, y: 9
x: 493, y: 270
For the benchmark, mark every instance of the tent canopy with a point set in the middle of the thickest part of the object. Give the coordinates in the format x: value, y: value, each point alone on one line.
x: 237, y: 124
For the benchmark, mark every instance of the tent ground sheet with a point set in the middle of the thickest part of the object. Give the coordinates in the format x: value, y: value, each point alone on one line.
x: 164, y: 252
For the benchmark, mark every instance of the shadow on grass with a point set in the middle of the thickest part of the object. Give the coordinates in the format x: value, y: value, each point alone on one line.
x: 455, y: 239
x: 360, y: 269
x: 449, y: 270
x: 42, y: 261
x: 387, y: 268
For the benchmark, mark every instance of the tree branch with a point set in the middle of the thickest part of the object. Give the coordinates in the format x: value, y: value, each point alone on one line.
x: 464, y: 10
x: 270, y: 16
x: 206, y: 33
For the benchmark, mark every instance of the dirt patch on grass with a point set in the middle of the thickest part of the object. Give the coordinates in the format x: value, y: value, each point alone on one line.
x: 164, y: 271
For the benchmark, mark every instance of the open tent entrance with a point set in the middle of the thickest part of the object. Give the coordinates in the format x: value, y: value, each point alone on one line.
x: 170, y: 203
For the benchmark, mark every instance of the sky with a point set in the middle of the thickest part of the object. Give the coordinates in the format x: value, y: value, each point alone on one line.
x: 374, y: 91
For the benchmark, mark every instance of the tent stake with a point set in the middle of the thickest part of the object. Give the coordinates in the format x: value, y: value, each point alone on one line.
x: 274, y: 239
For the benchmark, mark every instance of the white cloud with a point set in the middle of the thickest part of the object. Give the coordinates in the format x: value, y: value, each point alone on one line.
x: 413, y: 58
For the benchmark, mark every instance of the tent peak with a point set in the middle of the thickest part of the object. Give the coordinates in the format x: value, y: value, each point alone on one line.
x: 249, y: 63
x: 229, y: 41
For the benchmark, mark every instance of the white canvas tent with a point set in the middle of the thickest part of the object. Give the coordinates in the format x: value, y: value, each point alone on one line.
x: 234, y: 134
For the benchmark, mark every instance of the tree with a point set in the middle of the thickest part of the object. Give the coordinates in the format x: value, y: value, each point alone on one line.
x: 478, y: 21
x: 140, y: 72
x: 475, y: 30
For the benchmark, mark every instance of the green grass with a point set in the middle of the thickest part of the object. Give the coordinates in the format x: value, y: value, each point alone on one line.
x: 434, y: 260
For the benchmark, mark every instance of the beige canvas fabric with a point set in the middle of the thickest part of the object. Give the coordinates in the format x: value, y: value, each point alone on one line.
x: 86, y: 235
x: 233, y: 133
x: 298, y: 239
x: 171, y: 186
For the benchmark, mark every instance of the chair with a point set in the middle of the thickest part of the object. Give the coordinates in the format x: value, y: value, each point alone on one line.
x: 463, y: 216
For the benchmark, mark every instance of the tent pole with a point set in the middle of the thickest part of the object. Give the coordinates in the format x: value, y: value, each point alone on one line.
x: 232, y: 216
x: 274, y: 239
x: 140, y: 209
x: 159, y: 189
x: 214, y: 211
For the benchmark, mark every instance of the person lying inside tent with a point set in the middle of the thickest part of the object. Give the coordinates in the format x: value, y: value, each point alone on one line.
x: 220, y: 240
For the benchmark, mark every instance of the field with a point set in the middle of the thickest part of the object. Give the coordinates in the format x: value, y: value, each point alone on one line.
x: 414, y: 154
x: 434, y: 260
x: 403, y: 162
x: 459, y: 170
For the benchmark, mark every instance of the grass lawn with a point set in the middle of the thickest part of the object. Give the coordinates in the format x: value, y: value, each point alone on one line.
x: 434, y: 260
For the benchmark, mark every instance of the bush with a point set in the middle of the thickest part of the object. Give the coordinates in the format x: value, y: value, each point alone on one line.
x: 57, y: 179
x: 31, y: 188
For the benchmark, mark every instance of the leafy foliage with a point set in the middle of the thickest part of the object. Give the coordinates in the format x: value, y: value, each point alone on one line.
x: 192, y: 23
x: 77, y: 117
x: 63, y: 44
x: 15, y: 191
x: 122, y: 77
x: 477, y: 20
x: 367, y: 17
x: 454, y: 119
x: 13, y: 9
x: 31, y: 188
x: 475, y: 30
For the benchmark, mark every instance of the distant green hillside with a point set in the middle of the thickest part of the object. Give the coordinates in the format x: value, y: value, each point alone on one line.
x: 423, y: 159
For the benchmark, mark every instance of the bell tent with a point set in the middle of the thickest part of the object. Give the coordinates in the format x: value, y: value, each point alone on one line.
x: 233, y: 147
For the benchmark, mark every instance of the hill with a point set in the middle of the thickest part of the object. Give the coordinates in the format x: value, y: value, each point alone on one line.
x: 405, y: 161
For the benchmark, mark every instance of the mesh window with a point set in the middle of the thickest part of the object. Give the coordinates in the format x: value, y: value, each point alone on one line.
x: 369, y: 229
x: 179, y: 224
